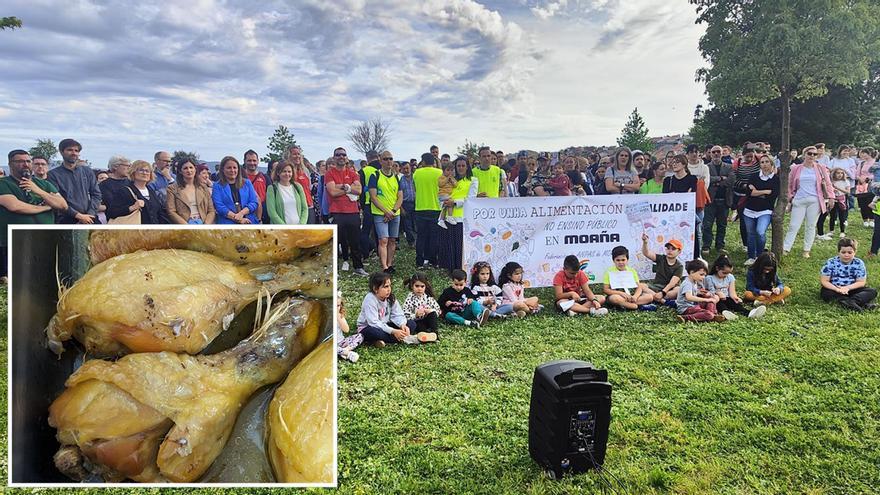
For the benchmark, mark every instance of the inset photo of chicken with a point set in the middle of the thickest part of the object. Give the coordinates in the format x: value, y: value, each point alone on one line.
x: 172, y: 356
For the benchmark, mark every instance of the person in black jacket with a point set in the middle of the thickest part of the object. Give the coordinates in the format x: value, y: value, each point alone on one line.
x: 763, y: 190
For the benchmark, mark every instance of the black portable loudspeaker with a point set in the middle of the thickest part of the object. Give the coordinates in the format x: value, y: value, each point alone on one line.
x: 568, y: 417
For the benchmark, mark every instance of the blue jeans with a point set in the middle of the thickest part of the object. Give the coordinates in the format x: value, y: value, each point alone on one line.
x: 756, y: 232
x: 372, y: 334
x: 427, y: 236
x: 470, y: 313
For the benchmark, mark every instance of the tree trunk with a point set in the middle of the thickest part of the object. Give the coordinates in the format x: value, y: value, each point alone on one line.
x: 782, y: 202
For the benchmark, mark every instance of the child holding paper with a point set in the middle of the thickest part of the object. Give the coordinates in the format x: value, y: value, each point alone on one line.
x: 668, y: 271
x: 572, y: 290
x: 621, y: 284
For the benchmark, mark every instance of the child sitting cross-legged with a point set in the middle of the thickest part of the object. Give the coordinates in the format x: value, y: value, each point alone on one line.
x: 381, y: 320
x: 513, y: 291
x: 420, y: 305
x: 694, y: 302
x: 572, y: 290
x: 460, y: 305
x: 722, y: 283
x: 621, y: 284
x: 843, y: 279
x: 487, y: 292
x: 763, y: 285
x: 668, y: 271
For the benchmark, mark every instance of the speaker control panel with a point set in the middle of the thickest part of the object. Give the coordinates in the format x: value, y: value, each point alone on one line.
x: 582, y: 430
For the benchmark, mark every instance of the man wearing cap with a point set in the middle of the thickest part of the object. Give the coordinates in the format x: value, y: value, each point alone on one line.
x: 24, y: 199
x: 368, y: 228
x: 427, y: 211
x: 490, y: 177
x: 77, y: 185
x: 716, y: 210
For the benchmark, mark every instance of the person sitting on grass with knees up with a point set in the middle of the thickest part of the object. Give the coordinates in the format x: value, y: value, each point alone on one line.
x: 763, y: 285
x: 572, y: 290
x: 668, y: 271
x: 843, y: 279
x: 460, y: 305
x: 420, y: 305
x: 722, y: 283
x: 513, y: 292
x: 694, y: 302
x: 483, y: 286
x: 381, y: 320
x: 345, y: 345
x: 622, y: 287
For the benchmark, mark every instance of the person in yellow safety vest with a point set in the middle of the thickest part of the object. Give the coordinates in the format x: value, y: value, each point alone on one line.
x: 368, y: 230
x: 493, y: 182
x: 451, y: 239
x: 386, y: 199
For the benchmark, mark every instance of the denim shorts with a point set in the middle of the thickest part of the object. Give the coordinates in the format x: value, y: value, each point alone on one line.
x: 386, y: 229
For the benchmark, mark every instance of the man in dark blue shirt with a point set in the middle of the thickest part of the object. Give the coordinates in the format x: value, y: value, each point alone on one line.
x: 77, y: 185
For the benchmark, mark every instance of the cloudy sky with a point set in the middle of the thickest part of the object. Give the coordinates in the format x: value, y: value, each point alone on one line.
x: 217, y: 77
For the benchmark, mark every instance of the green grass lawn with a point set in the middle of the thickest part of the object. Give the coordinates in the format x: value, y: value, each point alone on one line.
x: 786, y: 404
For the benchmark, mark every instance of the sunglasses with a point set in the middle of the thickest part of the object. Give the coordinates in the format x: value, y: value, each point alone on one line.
x: 339, y: 154
x: 812, y: 153
x: 716, y: 152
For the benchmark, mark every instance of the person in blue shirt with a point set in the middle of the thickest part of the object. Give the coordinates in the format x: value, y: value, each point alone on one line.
x: 234, y: 196
x: 843, y: 279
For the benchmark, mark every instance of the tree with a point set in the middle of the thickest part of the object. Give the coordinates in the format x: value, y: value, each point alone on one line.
x: 9, y: 22
x: 370, y: 135
x: 470, y: 150
x: 180, y: 156
x: 763, y: 50
x: 44, y: 148
x: 278, y: 144
x: 635, y: 134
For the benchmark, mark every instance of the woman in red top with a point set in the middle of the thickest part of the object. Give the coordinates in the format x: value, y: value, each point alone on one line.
x: 300, y: 175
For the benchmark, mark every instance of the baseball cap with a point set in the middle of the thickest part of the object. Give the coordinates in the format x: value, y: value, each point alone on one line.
x: 674, y: 243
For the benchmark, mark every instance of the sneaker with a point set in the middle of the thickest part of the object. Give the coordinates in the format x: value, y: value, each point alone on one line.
x: 425, y: 337
x: 723, y: 252
x: 598, y: 312
x: 379, y: 343
x: 842, y: 235
x: 411, y: 340
x: 521, y: 314
x: 345, y: 266
x: 451, y: 221
x: 730, y: 315
x: 759, y: 303
x: 706, y: 250
x: 680, y: 318
x: 806, y: 254
x: 670, y: 303
x: 570, y: 313
x: 442, y: 223
x: 719, y: 318
x: 749, y: 262
x: 353, y: 356
x: 758, y: 312
x: 866, y: 224
x: 361, y: 272
x: 648, y: 307
x: 390, y: 269
x: 484, y: 317
x: 475, y: 324
x: 870, y: 306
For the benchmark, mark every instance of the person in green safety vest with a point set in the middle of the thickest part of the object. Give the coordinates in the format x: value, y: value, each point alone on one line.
x: 386, y: 199
x: 368, y: 230
x: 491, y: 178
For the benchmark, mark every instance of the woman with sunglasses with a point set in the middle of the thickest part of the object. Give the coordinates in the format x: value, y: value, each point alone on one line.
x: 809, y: 194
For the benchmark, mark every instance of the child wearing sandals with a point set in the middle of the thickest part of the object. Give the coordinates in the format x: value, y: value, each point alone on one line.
x: 345, y: 346
x: 722, y: 283
x: 513, y: 292
x: 484, y: 288
x: 572, y: 290
x: 763, y: 285
x: 694, y: 302
x: 381, y: 320
x: 420, y: 305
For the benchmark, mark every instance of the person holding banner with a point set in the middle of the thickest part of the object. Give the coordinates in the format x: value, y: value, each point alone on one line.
x: 451, y: 239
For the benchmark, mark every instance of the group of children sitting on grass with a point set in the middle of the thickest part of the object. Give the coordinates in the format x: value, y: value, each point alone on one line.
x: 698, y: 293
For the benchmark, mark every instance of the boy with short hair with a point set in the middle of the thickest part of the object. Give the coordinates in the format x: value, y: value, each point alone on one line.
x: 843, y: 279
x: 668, y: 271
x: 459, y: 304
x: 572, y: 290
x: 694, y: 302
x: 622, y: 286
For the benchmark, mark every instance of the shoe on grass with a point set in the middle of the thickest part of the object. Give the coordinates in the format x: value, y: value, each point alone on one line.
x: 442, y: 224
x: 730, y: 315
x: 484, y: 317
x: 570, y: 313
x: 600, y: 312
x: 719, y: 318
x: 521, y: 314
x: 758, y: 312
x: 852, y: 305
x: 361, y: 272
x: 379, y: 344
x: 749, y: 262
x: 648, y: 307
x: 870, y: 306
x: 670, y: 303
x: 680, y: 318
x: 345, y: 266
x: 425, y: 337
x: 353, y: 356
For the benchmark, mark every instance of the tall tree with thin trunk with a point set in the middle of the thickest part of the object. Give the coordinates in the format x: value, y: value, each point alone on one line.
x: 761, y: 50
x: 373, y: 134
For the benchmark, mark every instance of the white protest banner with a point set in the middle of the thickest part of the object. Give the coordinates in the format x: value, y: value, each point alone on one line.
x: 538, y: 233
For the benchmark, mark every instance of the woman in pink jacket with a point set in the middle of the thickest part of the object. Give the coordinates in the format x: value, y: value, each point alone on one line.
x: 809, y: 194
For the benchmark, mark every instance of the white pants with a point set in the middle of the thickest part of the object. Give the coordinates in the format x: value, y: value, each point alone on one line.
x: 800, y: 208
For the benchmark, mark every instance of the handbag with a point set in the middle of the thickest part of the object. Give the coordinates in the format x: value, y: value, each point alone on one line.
x: 133, y: 218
